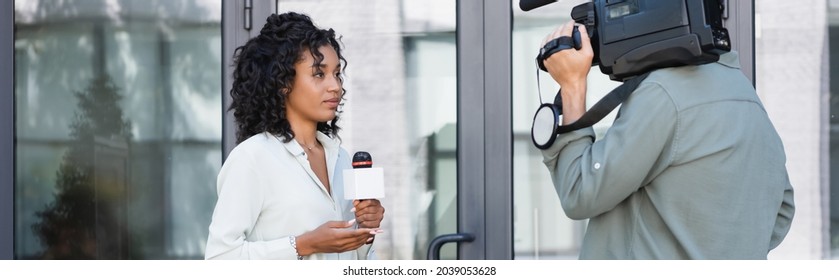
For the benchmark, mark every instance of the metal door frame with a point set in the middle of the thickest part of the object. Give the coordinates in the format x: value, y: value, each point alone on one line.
x: 484, y: 128
x: 7, y: 130
x: 240, y: 20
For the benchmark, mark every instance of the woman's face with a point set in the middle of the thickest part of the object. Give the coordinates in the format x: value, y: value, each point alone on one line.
x: 316, y: 91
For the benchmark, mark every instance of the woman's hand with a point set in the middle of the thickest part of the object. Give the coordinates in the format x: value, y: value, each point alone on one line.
x: 368, y: 213
x: 333, y: 237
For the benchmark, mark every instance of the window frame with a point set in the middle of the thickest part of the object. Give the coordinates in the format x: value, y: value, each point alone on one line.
x: 7, y: 130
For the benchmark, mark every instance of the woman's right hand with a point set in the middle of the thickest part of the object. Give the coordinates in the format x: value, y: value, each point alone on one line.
x: 333, y: 237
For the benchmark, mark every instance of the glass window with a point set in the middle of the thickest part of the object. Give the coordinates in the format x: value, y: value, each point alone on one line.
x: 401, y: 107
x: 118, y: 128
x: 540, y: 227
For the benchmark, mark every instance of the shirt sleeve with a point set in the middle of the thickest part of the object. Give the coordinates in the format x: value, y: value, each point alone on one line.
x: 784, y: 218
x: 240, y: 193
x: 593, y: 177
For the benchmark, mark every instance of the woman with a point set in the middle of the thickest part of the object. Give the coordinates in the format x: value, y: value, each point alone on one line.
x: 280, y: 190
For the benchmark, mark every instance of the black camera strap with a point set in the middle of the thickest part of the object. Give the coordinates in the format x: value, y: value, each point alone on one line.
x: 602, y: 107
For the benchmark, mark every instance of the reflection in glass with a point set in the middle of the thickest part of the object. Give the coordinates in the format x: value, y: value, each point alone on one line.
x: 118, y: 128
x: 84, y: 219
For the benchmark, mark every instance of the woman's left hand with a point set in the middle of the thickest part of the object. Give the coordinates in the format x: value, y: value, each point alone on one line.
x: 368, y: 213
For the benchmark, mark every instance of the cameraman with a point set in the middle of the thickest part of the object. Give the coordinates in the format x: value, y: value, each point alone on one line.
x: 691, y: 169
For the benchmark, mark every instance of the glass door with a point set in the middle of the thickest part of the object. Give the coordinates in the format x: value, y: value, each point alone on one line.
x: 401, y: 107
x: 484, y: 139
x: 542, y: 231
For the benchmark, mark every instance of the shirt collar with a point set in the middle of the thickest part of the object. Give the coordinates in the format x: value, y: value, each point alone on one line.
x: 330, y: 145
x: 730, y: 59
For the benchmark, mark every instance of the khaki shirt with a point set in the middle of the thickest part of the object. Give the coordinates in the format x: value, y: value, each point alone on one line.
x: 691, y: 169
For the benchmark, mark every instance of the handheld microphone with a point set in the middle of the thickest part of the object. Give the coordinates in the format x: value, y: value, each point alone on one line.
x: 363, y: 181
x: 362, y: 159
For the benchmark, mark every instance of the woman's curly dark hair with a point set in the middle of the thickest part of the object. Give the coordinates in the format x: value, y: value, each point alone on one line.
x: 265, y: 70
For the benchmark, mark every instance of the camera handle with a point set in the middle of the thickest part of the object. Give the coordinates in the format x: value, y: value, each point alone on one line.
x: 559, y: 44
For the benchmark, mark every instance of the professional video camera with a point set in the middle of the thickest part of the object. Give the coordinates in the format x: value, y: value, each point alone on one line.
x: 630, y: 38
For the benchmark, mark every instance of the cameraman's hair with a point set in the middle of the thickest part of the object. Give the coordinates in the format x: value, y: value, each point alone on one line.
x: 264, y: 74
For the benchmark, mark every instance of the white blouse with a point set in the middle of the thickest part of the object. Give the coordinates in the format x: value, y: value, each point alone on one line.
x: 267, y: 192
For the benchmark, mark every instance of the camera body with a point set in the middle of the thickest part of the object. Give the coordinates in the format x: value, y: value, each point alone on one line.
x: 631, y: 37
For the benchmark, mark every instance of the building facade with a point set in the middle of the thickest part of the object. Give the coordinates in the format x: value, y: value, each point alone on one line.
x: 113, y: 121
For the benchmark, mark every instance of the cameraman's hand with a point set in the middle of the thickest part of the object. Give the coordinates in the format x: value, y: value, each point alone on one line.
x: 570, y: 68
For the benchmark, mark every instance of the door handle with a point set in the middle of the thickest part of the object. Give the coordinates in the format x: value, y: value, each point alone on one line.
x: 438, y: 242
